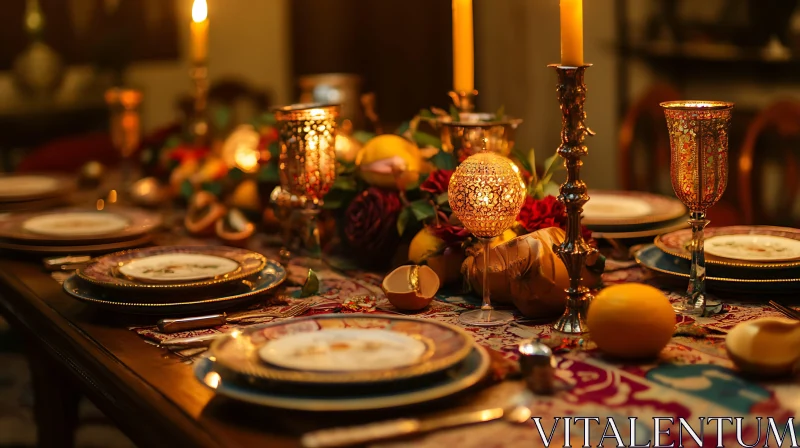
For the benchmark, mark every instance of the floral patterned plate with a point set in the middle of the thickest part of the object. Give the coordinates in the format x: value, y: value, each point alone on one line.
x: 77, y: 226
x: 239, y: 293
x: 728, y: 246
x: 109, y: 271
x: 459, y: 377
x: 443, y: 346
x: 629, y: 208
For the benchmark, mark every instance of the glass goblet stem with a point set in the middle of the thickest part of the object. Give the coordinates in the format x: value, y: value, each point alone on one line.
x: 312, y: 233
x: 487, y: 295
x: 695, y: 295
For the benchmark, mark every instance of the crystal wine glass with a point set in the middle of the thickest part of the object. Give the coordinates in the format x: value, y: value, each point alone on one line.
x: 125, y: 126
x: 486, y: 193
x: 308, y: 159
x: 698, y: 134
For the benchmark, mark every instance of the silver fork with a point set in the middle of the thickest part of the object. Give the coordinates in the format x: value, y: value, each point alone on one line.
x: 215, y: 320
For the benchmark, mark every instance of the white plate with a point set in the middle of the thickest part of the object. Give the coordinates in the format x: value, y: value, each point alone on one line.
x: 76, y: 224
x: 344, y: 350
x: 608, y: 206
x: 178, y: 267
x: 12, y: 186
x: 753, y: 247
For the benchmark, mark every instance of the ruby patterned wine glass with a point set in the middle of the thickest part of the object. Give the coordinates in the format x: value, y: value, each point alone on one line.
x: 698, y: 134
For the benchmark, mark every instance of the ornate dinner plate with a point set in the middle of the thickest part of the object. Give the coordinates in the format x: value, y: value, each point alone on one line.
x: 75, y: 226
x: 28, y: 187
x: 755, y: 247
x: 100, y: 248
x: 648, y: 231
x: 240, y: 292
x: 443, y: 345
x: 198, y: 262
x: 656, y: 260
x: 629, y: 208
x: 458, y: 378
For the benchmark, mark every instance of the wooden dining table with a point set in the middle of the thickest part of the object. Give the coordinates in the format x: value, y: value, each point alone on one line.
x: 151, y: 394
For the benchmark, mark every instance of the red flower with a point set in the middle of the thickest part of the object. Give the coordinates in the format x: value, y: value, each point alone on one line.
x: 453, y: 236
x: 437, y: 182
x: 371, y: 223
x: 183, y: 153
x: 543, y: 213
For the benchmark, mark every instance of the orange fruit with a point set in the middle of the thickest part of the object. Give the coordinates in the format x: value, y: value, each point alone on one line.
x: 631, y: 321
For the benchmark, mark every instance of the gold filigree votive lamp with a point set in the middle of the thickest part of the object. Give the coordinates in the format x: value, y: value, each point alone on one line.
x: 486, y: 193
x: 125, y: 124
x: 307, y: 135
x: 476, y: 132
x: 698, y: 133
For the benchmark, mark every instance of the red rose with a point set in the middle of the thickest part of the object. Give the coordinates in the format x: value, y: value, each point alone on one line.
x: 437, y: 182
x: 371, y: 224
x: 543, y: 213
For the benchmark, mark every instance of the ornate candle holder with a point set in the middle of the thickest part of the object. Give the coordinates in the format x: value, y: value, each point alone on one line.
x: 476, y: 132
x: 698, y: 135
x: 198, y: 124
x: 463, y: 100
x: 307, y: 135
x: 574, y: 250
x: 125, y: 129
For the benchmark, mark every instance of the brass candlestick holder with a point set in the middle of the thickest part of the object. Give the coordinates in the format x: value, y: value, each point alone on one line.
x: 476, y: 132
x: 463, y: 100
x: 574, y: 250
x: 199, y: 121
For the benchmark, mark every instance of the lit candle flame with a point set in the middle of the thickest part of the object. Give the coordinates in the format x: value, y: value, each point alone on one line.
x: 199, y: 11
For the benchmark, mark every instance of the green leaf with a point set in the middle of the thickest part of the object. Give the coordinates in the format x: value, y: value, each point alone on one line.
x: 442, y: 199
x: 269, y: 173
x: 187, y: 189
x: 424, y: 139
x: 221, y: 117
x: 454, y: 115
x: 522, y: 160
x: 550, y: 189
x: 403, y: 128
x: 444, y: 161
x: 311, y: 286
x: 214, y: 188
x: 422, y: 209
x: 403, y: 220
x: 235, y: 174
x: 501, y: 113
x: 549, y: 163
x: 363, y: 136
x: 274, y: 150
x: 427, y: 114
x: 345, y: 183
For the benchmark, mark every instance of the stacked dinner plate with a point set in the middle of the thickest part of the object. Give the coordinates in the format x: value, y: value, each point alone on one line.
x: 759, y: 260
x: 77, y: 230
x: 175, y: 280
x: 346, y: 362
x: 33, y: 192
x: 632, y: 214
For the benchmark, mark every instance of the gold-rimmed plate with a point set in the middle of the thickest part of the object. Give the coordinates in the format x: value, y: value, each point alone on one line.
x: 240, y: 292
x: 459, y: 377
x: 618, y: 209
x: 51, y: 250
x: 107, y: 271
x: 30, y: 187
x: 677, y: 244
x: 444, y: 345
x: 76, y: 226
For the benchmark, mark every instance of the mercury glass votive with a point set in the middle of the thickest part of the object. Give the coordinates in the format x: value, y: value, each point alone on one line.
x: 698, y: 134
x: 476, y: 132
x: 307, y: 135
x: 486, y: 193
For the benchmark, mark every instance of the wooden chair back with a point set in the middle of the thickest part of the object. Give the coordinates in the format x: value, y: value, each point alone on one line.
x: 644, y: 142
x: 769, y: 166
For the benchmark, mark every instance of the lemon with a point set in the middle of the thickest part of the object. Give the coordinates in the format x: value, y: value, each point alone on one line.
x: 389, y: 161
x: 447, y: 265
x: 245, y: 196
x: 632, y: 321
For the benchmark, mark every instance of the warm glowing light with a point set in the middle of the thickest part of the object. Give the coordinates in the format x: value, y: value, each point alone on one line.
x: 246, y: 158
x: 199, y: 11
x: 112, y: 196
x: 101, y: 204
x: 212, y: 380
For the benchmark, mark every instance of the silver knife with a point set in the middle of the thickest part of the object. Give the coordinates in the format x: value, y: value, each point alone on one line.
x: 191, y: 342
x: 354, y: 435
x: 215, y: 320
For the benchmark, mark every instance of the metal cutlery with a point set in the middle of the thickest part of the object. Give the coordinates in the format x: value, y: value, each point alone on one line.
x: 354, y: 435
x: 785, y: 310
x: 215, y: 320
